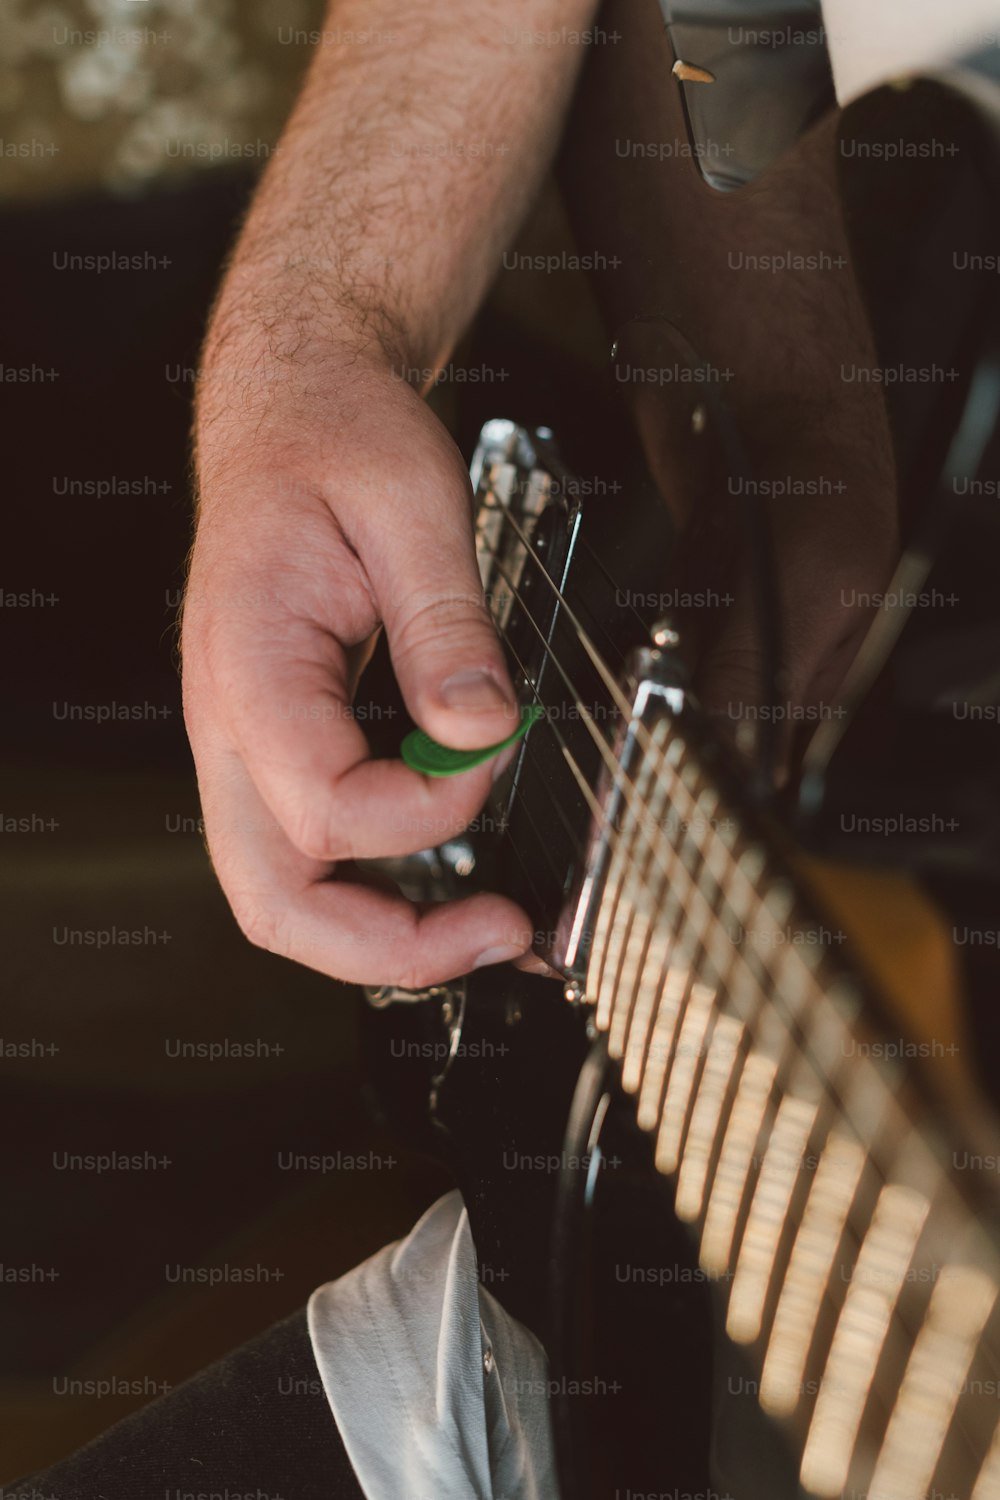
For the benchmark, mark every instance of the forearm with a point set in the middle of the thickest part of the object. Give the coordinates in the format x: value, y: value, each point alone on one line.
x: 406, y: 168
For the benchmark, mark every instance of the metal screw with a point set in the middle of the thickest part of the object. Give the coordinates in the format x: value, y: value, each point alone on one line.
x: 663, y: 634
x: 699, y: 420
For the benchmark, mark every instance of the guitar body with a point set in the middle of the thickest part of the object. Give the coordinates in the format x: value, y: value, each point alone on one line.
x: 737, y: 1164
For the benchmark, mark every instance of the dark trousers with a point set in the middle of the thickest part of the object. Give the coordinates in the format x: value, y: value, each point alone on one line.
x: 257, y: 1424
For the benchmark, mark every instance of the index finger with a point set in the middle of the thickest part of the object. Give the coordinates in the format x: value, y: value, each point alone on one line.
x: 289, y: 904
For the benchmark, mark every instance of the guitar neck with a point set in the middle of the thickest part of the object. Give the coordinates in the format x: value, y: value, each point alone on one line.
x: 809, y: 1163
x: 853, y: 1247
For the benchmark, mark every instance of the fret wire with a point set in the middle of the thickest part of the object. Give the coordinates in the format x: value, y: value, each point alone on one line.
x: 694, y: 1023
x: 684, y: 868
x: 728, y: 1011
x: 604, y: 922
x: 637, y: 1039
x: 665, y: 1010
x: 708, y: 1113
x: 753, y: 1275
x: 640, y: 927
x: 604, y: 929
x: 859, y: 1338
x: 806, y: 1284
x: 663, y: 1029
x: 808, y: 1112
x: 643, y: 1008
x: 639, y: 875
x: 938, y: 1364
x: 608, y: 954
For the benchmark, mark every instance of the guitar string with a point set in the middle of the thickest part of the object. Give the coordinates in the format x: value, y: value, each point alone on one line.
x: 543, y: 841
x: 529, y: 877
x: 829, y: 1092
x: 620, y: 779
x: 623, y: 782
x: 543, y: 844
x: 601, y: 565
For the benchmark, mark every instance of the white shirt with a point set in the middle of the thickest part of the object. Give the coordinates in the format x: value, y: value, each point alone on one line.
x: 437, y: 1392
x: 871, y: 41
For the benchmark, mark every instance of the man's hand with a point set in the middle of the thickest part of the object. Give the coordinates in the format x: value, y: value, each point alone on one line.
x: 292, y: 574
x: 332, y: 501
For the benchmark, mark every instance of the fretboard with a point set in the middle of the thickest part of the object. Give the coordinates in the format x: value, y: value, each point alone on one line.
x: 824, y: 1196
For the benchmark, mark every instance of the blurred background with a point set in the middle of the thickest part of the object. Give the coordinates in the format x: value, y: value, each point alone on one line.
x: 131, y: 134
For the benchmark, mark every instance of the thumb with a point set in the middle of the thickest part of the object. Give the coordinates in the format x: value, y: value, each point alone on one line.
x: 445, y: 650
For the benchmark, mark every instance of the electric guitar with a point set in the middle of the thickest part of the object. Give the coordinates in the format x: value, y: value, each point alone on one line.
x: 739, y: 1158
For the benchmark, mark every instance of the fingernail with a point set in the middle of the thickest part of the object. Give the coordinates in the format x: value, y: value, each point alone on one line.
x: 530, y: 963
x: 473, y: 691
x: 499, y: 955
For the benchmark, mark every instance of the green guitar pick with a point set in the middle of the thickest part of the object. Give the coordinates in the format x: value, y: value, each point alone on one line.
x: 425, y: 755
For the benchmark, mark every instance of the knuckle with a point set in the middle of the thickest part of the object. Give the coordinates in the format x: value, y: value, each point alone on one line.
x: 316, y: 831
x: 437, y: 620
